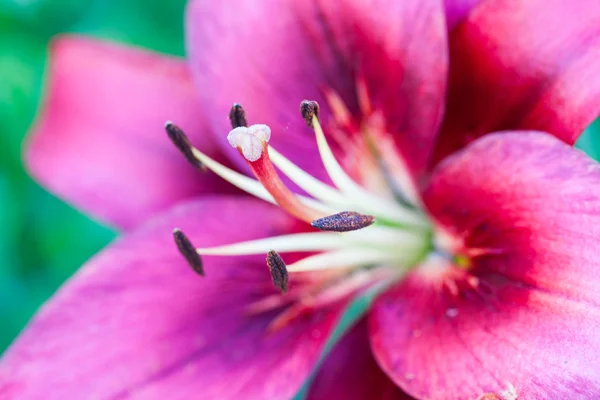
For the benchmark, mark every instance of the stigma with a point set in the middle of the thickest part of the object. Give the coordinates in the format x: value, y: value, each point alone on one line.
x: 354, y: 229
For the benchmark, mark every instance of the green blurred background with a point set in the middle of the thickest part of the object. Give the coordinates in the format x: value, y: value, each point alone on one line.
x: 42, y: 240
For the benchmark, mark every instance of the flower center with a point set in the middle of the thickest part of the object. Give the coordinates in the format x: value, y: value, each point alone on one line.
x: 358, y: 231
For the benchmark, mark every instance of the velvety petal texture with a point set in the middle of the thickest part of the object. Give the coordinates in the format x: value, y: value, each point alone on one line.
x: 137, y: 322
x: 523, y: 65
x: 351, y: 373
x: 99, y: 141
x: 458, y: 10
x: 270, y: 55
x: 523, y: 319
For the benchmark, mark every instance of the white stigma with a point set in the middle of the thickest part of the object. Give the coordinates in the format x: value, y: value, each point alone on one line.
x: 250, y: 140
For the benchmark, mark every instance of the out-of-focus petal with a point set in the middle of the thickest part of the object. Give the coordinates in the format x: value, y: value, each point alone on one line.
x: 523, y: 319
x: 270, y: 55
x: 138, y: 322
x: 99, y: 141
x: 351, y: 373
x: 458, y: 10
x: 523, y: 65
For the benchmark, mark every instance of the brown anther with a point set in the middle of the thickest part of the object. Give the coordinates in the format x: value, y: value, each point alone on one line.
x: 188, y: 251
x: 237, y: 116
x: 181, y: 141
x: 308, y: 109
x: 278, y: 270
x: 345, y: 221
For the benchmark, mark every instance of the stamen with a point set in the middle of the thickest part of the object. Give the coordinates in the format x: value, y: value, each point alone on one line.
x: 334, y: 169
x: 309, y: 109
x: 181, y: 141
x: 345, y: 258
x: 188, y: 251
x: 359, y: 196
x: 341, y: 114
x: 237, y: 116
x: 374, y: 237
x: 374, y: 249
x: 197, y: 158
x: 278, y: 270
x: 345, y: 221
x: 320, y: 190
x: 306, y: 181
x: 240, y: 181
x: 252, y: 143
x: 313, y: 241
x: 385, y: 170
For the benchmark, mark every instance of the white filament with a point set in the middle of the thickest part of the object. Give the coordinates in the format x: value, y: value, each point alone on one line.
x: 306, y: 181
x: 241, y: 181
x: 317, y: 241
x: 373, y: 237
x: 345, y: 258
x: 356, y: 193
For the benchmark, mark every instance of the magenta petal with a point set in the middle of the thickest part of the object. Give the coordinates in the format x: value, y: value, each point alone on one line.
x: 458, y: 10
x: 525, y: 317
x: 524, y: 65
x: 137, y: 321
x: 99, y: 141
x: 351, y: 373
x: 531, y: 198
x: 517, y: 341
x: 270, y: 55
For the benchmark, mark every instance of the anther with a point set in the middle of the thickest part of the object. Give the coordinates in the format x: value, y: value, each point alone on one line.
x: 343, y: 222
x: 188, y: 251
x: 181, y: 141
x: 237, y: 116
x: 278, y: 270
x: 308, y: 109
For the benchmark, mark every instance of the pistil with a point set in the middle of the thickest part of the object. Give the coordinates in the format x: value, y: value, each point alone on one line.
x: 252, y: 143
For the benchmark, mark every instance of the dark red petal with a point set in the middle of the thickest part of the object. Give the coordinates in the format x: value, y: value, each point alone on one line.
x: 523, y: 65
x: 525, y: 317
x: 136, y: 321
x: 270, y: 55
x: 99, y: 141
x: 350, y: 372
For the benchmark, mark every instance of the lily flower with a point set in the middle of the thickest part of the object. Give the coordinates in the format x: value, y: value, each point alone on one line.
x: 431, y: 165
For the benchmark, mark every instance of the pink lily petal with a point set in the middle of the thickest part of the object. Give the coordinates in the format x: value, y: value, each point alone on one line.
x: 100, y: 141
x: 138, y: 322
x: 524, y: 319
x: 458, y: 10
x: 523, y: 65
x: 351, y: 373
x: 270, y: 55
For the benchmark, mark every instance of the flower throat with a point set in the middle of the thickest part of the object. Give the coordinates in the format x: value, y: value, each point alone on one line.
x: 357, y: 231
